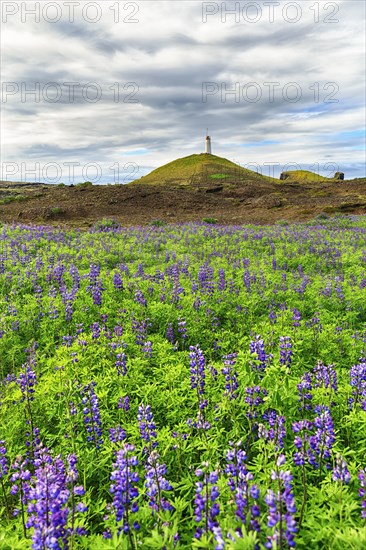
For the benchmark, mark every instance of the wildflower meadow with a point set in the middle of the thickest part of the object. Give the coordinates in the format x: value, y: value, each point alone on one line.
x: 183, y: 386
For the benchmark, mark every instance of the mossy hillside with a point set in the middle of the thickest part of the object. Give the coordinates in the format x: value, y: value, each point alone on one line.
x: 200, y: 169
x: 305, y: 176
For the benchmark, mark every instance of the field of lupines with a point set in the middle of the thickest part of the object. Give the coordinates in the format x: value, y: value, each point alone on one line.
x: 189, y: 386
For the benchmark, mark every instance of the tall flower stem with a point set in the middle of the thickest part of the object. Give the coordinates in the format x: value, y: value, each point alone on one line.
x: 126, y: 509
x: 22, y: 509
x: 5, y: 498
x: 305, y: 494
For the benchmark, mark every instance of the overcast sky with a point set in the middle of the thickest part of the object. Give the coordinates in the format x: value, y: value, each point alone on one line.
x: 276, y: 83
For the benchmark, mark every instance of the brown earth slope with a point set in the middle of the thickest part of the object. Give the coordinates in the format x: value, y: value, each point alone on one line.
x: 187, y: 189
x: 133, y: 204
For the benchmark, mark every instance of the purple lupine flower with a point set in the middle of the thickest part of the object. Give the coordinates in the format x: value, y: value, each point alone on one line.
x: 140, y: 330
x: 276, y: 431
x: 262, y: 360
x: 124, y: 403
x: 327, y: 291
x: 27, y: 381
x: 215, y: 321
x: 58, y: 273
x: 197, y: 303
x: 96, y: 331
x: 272, y: 316
x: 182, y: 328
x: 123, y: 488
x: 47, y: 506
x: 140, y: 298
x: 201, y: 423
x: 197, y: 379
x: 96, y: 285
x: 170, y: 336
x: 358, y: 384
x: 246, y: 494
x: 121, y: 363
x: 72, y: 476
x: 285, y: 351
x: 325, y: 376
x: 362, y: 493
x: 69, y: 312
x: 254, y: 397
x: 205, y: 278
x: 206, y: 507
x: 97, y: 291
x: 72, y: 409
x: 197, y: 369
x: 281, y: 509
x: 72, y: 473
x: 147, y: 425
x: 235, y: 464
x: 156, y: 483
x: 117, y: 281
x: 32, y: 440
x: 140, y: 271
x: 221, y: 285
x: 9, y: 378
x: 231, y: 376
x: 4, y: 468
x: 147, y: 349
x: 178, y: 289
x: 338, y: 289
x: 213, y: 372
x: 92, y: 420
x: 315, y: 324
x: 74, y: 272
x: 117, y: 434
x: 296, y: 317
x: 20, y: 480
x: 340, y: 471
x: 305, y: 395
x: 94, y: 273
x: 247, y: 279
x: 303, y: 430
x: 67, y: 340
x: 321, y: 443
x: 118, y: 330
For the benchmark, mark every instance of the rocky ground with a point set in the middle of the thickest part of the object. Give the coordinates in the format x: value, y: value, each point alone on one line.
x: 82, y: 205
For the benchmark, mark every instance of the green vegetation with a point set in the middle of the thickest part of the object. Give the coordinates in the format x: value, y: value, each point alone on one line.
x: 157, y: 223
x: 55, y: 211
x: 201, y: 169
x: 106, y: 224
x: 187, y: 386
x: 304, y: 176
x: 210, y: 220
x: 219, y: 176
x: 84, y: 184
x: 13, y: 198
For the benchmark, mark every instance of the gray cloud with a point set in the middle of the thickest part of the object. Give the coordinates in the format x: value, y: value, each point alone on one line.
x: 169, y: 54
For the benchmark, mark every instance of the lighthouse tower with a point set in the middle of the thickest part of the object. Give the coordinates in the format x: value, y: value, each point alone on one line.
x: 208, y: 144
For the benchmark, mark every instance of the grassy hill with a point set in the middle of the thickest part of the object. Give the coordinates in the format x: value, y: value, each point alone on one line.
x: 202, y: 169
x: 304, y: 176
x: 194, y: 188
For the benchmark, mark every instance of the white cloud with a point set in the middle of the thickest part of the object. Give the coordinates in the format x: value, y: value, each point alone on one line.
x: 169, y: 53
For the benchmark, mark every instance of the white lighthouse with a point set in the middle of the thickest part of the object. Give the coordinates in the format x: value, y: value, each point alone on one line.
x: 208, y: 144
